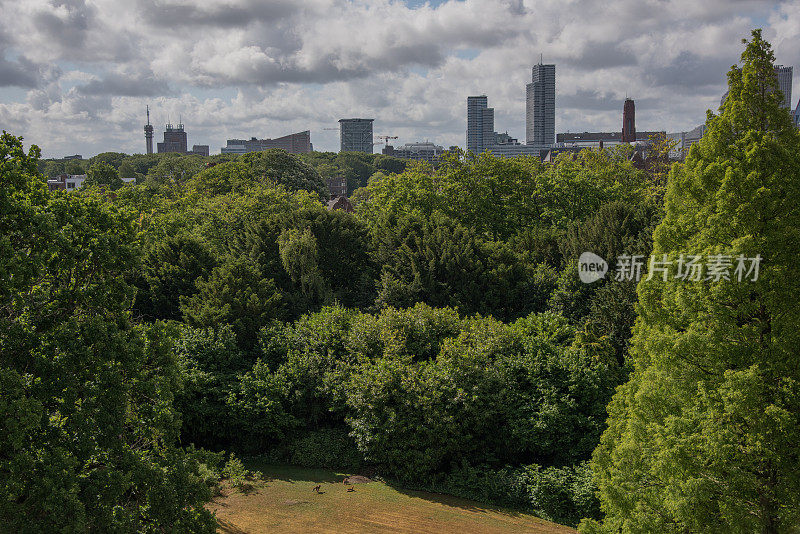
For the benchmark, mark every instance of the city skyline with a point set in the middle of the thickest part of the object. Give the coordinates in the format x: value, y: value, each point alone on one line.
x: 75, y: 76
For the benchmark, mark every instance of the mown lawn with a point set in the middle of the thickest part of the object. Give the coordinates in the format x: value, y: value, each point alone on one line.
x: 285, y: 502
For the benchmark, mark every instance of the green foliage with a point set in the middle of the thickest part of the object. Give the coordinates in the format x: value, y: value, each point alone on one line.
x: 170, y: 269
x: 499, y: 197
x: 126, y: 170
x: 103, y: 175
x: 269, y: 166
x: 355, y: 167
x: 234, y: 293
x: 51, y: 168
x: 563, y: 495
x: 88, y: 423
x: 441, y: 263
x: 703, y: 438
x: 315, y: 257
x: 298, y: 251
x: 236, y: 473
x: 113, y: 159
x: 176, y: 168
x: 493, y: 394
x: 210, y: 362
x: 73, y: 167
x: 327, y: 447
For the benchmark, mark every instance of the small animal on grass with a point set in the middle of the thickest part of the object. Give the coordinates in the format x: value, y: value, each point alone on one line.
x: 351, y: 488
x: 317, y: 487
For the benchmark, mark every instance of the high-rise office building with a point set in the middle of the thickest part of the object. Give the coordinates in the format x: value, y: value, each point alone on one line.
x: 628, y: 121
x: 355, y: 135
x: 478, y: 111
x: 540, y: 106
x: 480, y: 124
x: 174, y: 140
x: 784, y: 75
x: 796, y: 115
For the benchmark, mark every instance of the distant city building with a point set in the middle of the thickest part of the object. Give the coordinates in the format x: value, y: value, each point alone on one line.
x: 540, y: 106
x: 148, y: 133
x: 480, y: 120
x: 296, y: 143
x: 355, y: 135
x: 481, y: 135
x: 422, y: 151
x: 594, y: 139
x: 71, y: 182
x: 684, y: 141
x: 505, y: 139
x: 628, y: 121
x: 174, y: 140
x: 66, y: 182
x: 340, y: 203
x: 200, y: 150
x: 797, y: 114
x: 784, y: 75
x: 511, y: 150
x: 337, y: 186
x: 75, y: 156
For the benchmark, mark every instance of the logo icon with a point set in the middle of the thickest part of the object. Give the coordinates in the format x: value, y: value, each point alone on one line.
x: 591, y: 267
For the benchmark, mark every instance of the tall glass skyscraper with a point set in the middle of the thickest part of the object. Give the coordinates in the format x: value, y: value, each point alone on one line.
x: 480, y: 124
x: 540, y: 108
x: 784, y: 75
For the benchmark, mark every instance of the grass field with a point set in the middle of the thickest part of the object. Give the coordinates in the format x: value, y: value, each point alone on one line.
x: 286, y: 502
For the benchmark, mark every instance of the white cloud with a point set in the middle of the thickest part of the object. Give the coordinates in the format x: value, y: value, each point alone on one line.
x: 294, y: 65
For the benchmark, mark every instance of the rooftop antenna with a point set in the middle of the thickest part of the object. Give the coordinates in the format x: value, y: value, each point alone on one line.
x: 148, y: 115
x: 541, y: 59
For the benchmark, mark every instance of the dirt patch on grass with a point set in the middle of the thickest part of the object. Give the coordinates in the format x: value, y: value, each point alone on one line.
x: 357, y: 479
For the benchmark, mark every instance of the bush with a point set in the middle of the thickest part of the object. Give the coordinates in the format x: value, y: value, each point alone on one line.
x: 237, y: 474
x: 330, y: 448
x: 561, y: 494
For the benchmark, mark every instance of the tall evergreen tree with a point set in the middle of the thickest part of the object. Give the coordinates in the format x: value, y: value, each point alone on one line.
x: 705, y: 437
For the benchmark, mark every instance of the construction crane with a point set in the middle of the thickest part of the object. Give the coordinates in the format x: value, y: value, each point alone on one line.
x: 330, y: 128
x: 385, y: 139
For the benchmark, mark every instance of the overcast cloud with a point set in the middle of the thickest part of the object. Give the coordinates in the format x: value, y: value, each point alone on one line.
x: 76, y: 75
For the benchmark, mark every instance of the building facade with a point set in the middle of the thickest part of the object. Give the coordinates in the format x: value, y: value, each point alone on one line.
x: 422, y: 151
x: 296, y: 143
x: 174, y: 140
x: 200, y: 150
x: 540, y: 106
x: 355, y: 135
x: 628, y: 121
x: 72, y: 182
x: 784, y: 75
x: 480, y: 119
x: 596, y: 139
x: 684, y: 141
x: 337, y: 187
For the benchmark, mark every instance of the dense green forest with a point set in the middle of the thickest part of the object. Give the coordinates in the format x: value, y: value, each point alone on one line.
x: 439, y: 337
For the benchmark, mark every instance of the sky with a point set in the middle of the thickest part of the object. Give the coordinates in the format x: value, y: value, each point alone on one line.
x: 76, y: 75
